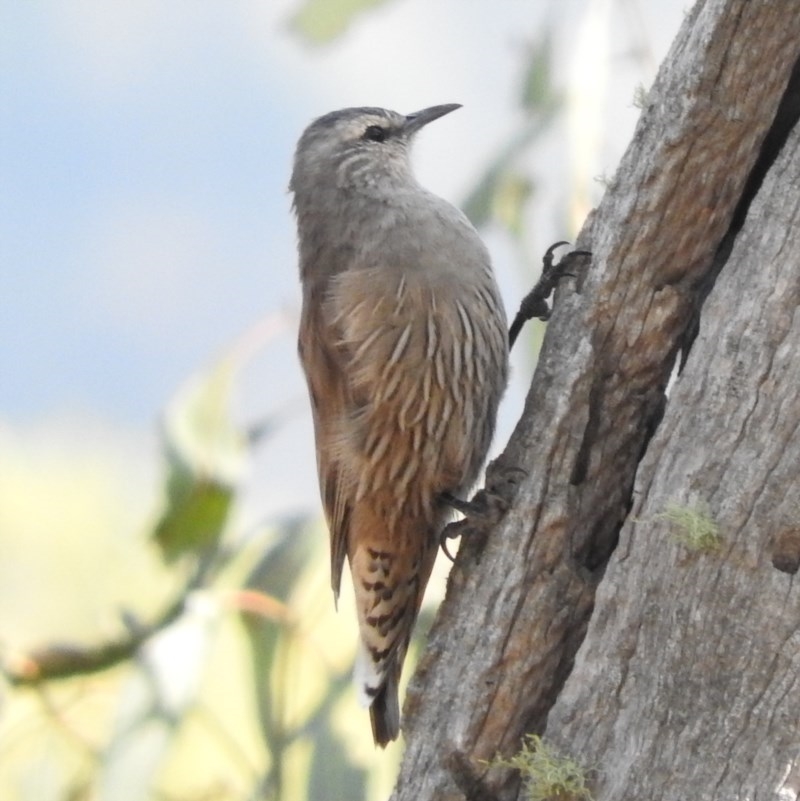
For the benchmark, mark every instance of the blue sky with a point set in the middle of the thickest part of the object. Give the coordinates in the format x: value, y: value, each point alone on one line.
x: 145, y: 149
x: 137, y: 201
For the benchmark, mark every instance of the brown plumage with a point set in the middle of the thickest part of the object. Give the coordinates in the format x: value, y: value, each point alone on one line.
x: 404, y: 346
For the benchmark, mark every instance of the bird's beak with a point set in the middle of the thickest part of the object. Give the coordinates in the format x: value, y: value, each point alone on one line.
x: 419, y: 119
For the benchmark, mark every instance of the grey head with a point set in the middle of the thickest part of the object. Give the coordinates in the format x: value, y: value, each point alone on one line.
x: 358, y: 148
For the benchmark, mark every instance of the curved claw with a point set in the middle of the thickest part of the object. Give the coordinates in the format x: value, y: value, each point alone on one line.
x: 443, y: 545
x: 453, y: 530
x: 548, y: 254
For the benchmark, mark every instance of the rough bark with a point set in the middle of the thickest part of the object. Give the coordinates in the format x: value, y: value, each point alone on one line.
x: 518, y: 606
x: 692, y: 659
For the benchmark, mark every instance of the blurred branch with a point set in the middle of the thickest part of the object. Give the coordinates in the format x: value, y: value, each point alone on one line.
x: 58, y: 661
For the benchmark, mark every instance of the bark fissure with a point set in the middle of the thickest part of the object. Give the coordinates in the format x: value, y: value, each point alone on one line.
x: 786, y: 118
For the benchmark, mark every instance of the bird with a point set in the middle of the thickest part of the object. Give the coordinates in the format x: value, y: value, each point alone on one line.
x: 403, y: 342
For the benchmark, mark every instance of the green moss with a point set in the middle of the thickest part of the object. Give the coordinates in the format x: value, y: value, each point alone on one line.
x: 547, y: 774
x: 693, y: 527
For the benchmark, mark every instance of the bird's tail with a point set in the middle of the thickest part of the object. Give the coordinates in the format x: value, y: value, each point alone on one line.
x: 384, y: 712
x: 390, y: 570
x: 377, y: 688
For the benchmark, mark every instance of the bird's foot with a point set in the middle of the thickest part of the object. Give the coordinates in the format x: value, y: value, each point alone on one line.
x: 486, y: 508
x: 536, y: 302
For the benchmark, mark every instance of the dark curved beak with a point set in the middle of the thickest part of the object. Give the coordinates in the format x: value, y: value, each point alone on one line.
x: 419, y: 119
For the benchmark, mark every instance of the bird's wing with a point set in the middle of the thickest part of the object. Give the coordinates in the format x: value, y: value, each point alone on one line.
x: 354, y: 330
x: 326, y: 376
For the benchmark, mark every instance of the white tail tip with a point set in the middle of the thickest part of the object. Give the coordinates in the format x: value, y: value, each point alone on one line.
x: 366, y: 676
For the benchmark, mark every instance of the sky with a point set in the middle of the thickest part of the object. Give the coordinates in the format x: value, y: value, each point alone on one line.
x: 145, y: 224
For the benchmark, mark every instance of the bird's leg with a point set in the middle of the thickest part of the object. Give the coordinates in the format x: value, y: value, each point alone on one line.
x: 535, y: 303
x: 486, y: 508
x: 473, y: 507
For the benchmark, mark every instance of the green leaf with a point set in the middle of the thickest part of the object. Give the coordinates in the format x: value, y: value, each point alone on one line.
x: 321, y: 21
x: 478, y: 204
x: 195, y: 515
x: 491, y: 195
x: 205, y: 453
x: 503, y: 191
x: 537, y: 83
x: 511, y: 195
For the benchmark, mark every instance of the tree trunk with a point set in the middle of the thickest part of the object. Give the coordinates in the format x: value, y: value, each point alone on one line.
x: 666, y: 669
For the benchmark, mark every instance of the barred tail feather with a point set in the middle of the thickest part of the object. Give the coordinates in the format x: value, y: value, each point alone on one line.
x: 367, y: 677
x: 390, y: 569
x: 384, y: 713
x: 377, y: 689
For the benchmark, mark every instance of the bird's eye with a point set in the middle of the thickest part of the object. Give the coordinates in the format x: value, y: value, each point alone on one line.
x: 375, y: 133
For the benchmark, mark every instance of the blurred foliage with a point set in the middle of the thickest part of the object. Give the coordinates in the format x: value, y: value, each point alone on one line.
x: 276, y: 656
x: 537, y: 93
x: 176, y: 714
x: 205, y: 456
x: 197, y: 509
x: 505, y: 190
x: 322, y: 21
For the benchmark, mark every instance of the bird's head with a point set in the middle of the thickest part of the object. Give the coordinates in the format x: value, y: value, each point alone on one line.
x: 358, y: 147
